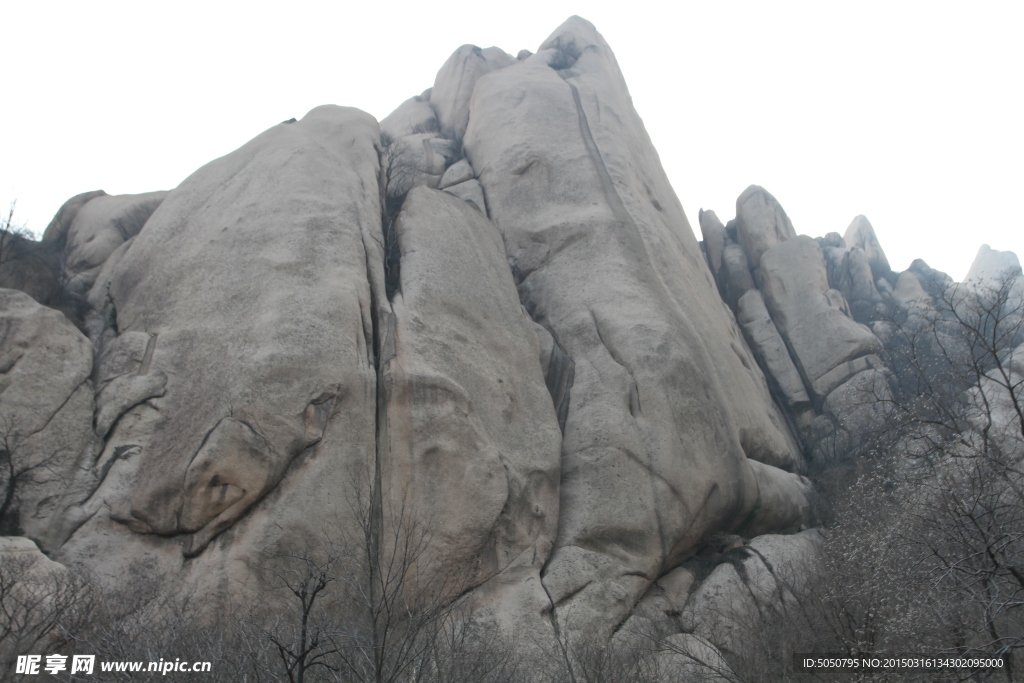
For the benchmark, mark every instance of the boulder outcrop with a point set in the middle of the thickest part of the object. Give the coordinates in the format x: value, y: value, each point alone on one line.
x: 242, y: 349
x: 486, y: 319
x: 603, y: 256
x: 472, y: 438
x: 46, y: 412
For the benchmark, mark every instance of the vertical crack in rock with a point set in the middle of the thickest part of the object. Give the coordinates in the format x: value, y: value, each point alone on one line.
x: 558, y: 366
x: 615, y: 203
x: 560, y: 375
x: 390, y: 206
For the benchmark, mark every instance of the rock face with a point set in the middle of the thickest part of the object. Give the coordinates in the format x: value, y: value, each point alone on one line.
x: 456, y: 82
x: 472, y: 436
x: 99, y: 227
x: 990, y: 264
x: 761, y: 223
x: 808, y: 313
x: 486, y: 317
x: 46, y: 409
x: 803, y: 317
x: 241, y: 349
x: 861, y: 234
x: 603, y: 256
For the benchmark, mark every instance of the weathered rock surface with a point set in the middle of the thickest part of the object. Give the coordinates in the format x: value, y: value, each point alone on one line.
x: 991, y: 264
x: 46, y: 410
x: 748, y: 586
x: 808, y: 314
x: 761, y: 223
x: 57, y: 230
x: 472, y: 436
x: 471, y: 192
x: 414, y: 160
x: 998, y: 270
x: 250, y: 291
x: 459, y: 172
x: 715, y: 238
x: 413, y: 116
x: 99, y: 227
x: 29, y: 266
x: 594, y: 419
x: 908, y: 291
x: 771, y: 351
x: 606, y: 262
x: 454, y: 84
x: 861, y: 234
x: 850, y: 273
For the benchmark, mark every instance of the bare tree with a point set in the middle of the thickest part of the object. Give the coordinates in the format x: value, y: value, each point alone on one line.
x: 303, y: 634
x: 40, y: 604
x: 925, y: 551
x: 19, y: 468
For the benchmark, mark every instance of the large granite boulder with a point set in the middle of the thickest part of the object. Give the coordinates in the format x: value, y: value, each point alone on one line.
x: 454, y: 84
x: 810, y: 315
x: 473, y: 442
x: 46, y: 414
x: 99, y: 227
x: 771, y: 351
x: 990, y: 265
x: 661, y: 419
x: 413, y: 116
x: 715, y: 238
x: 861, y: 234
x: 761, y: 223
x: 243, y: 318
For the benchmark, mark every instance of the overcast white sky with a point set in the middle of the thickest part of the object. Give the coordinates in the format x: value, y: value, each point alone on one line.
x: 911, y: 113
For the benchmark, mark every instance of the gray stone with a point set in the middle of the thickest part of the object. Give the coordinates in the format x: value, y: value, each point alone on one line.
x: 416, y: 160
x: 46, y: 412
x: 470, y: 192
x: 735, y: 273
x: 57, y: 230
x: 908, y: 292
x: 771, y: 351
x: 454, y: 84
x: 99, y: 228
x: 859, y: 406
x: 861, y: 234
x: 761, y: 223
x: 251, y: 289
x: 414, y: 116
x: 714, y: 239
x: 809, y: 315
x: 824, y: 385
x: 473, y: 438
x: 607, y: 263
x: 459, y: 172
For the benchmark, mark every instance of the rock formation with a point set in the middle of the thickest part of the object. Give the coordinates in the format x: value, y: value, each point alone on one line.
x: 487, y: 316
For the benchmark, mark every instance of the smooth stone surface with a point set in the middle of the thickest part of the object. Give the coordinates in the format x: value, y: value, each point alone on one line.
x: 250, y: 289
x: 713, y: 232
x: 810, y: 315
x: 652, y: 457
x: 770, y: 349
x: 46, y: 412
x: 471, y: 192
x: 412, y: 117
x: 454, y: 84
x: 761, y: 223
x: 99, y: 228
x: 459, y: 172
x: 473, y: 438
x: 861, y: 234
